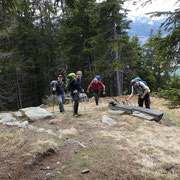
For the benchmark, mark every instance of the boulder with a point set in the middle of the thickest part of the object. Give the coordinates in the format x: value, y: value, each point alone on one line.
x: 24, y: 124
x: 13, y: 123
x: 6, y: 117
x: 107, y: 120
x: 83, y: 97
x: 36, y: 113
x: 18, y: 114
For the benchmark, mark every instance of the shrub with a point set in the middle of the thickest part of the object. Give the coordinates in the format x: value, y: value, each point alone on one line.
x: 171, y: 92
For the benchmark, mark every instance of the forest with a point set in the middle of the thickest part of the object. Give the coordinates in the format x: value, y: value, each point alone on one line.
x: 40, y: 39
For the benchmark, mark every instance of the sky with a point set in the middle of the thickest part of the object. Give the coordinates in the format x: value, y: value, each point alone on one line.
x: 157, y: 5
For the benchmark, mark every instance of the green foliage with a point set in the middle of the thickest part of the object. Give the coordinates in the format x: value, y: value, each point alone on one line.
x: 40, y: 39
x: 171, y: 92
x: 146, y: 74
x: 154, y: 61
x: 169, y: 45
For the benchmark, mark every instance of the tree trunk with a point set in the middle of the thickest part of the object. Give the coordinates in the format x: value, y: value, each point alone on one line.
x: 119, y: 74
x: 19, y: 99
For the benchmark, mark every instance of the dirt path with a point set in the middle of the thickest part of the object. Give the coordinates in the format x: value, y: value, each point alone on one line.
x: 131, y: 149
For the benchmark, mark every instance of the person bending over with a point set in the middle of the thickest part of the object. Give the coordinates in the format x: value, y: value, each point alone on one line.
x: 143, y: 93
x: 96, y: 86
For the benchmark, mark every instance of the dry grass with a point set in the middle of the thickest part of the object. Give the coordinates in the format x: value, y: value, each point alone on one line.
x: 155, y: 147
x: 10, y: 141
x: 131, y: 149
x: 152, y: 145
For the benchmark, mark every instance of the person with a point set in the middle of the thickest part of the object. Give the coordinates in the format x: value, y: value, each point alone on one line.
x: 143, y: 93
x: 96, y: 86
x: 59, y: 88
x: 75, y: 88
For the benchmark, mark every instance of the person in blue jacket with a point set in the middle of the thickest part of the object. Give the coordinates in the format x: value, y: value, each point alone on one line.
x: 75, y: 87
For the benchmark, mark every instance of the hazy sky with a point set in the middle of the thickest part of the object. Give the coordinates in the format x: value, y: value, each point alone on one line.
x: 157, y: 5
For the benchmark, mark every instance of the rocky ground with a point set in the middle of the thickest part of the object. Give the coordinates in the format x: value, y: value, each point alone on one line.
x: 85, y: 148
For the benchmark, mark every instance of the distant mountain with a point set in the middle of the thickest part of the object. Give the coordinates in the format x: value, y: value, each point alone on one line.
x: 141, y: 26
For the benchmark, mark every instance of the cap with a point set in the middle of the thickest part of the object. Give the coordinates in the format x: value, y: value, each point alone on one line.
x: 133, y: 82
x: 60, y: 76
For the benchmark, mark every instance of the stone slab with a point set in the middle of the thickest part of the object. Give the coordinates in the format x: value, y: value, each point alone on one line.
x: 6, y: 117
x: 116, y: 112
x: 36, y: 113
x: 115, y: 106
x: 107, y: 120
x: 156, y: 114
x: 142, y: 115
x: 18, y: 114
x: 130, y: 109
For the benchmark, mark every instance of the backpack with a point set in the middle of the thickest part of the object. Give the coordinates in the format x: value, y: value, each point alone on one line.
x: 68, y: 80
x: 138, y: 80
x: 94, y: 84
x: 52, y: 84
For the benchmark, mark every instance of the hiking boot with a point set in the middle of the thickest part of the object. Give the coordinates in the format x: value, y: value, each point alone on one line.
x: 77, y: 115
x: 63, y: 112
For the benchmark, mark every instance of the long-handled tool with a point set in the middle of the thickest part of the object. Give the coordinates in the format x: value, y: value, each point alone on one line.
x: 128, y: 102
x: 124, y: 102
x: 115, y: 100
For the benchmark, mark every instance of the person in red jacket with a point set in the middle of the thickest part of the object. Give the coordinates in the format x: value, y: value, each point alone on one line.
x: 96, y: 86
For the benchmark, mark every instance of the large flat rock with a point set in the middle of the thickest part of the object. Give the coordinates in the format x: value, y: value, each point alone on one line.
x: 36, y: 113
x: 18, y: 114
x: 6, y: 117
x: 108, y: 120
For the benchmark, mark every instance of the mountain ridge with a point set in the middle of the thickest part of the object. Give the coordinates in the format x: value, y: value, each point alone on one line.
x: 142, y: 25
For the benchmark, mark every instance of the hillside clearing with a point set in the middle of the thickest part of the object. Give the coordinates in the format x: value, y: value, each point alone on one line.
x: 133, y: 148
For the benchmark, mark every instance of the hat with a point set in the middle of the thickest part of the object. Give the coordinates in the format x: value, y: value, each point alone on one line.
x: 133, y: 82
x: 60, y: 76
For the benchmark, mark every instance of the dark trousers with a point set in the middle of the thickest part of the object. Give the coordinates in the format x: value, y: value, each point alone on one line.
x: 96, y: 96
x: 75, y: 97
x: 146, y: 99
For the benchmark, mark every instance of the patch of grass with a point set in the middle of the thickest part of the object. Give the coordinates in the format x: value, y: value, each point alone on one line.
x: 44, y: 143
x: 106, y: 139
x: 9, y: 142
x: 89, y: 158
x: 103, y: 161
x: 102, y: 109
x: 41, y: 146
x: 170, y: 119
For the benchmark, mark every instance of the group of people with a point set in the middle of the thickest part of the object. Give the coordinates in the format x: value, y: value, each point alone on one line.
x: 74, y: 86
